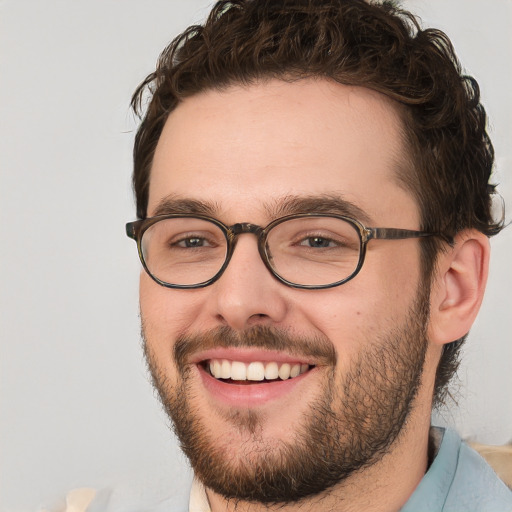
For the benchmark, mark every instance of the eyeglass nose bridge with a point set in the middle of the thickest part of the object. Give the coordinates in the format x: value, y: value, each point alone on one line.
x: 241, y: 228
x: 244, y: 227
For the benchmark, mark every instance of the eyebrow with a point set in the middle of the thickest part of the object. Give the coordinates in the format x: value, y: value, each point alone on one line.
x: 173, y: 204
x: 324, y: 203
x: 288, y: 205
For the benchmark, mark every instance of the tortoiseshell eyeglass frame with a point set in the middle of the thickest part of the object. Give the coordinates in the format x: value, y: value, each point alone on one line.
x: 136, y: 230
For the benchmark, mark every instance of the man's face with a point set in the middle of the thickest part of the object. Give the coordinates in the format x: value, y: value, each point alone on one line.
x: 251, y: 155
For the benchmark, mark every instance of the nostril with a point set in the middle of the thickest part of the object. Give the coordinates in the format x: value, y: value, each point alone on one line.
x: 257, y: 317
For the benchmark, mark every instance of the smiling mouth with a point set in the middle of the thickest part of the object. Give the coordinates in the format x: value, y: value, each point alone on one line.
x: 238, y: 372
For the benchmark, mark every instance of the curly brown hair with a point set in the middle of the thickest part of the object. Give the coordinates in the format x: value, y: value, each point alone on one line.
x: 353, y: 42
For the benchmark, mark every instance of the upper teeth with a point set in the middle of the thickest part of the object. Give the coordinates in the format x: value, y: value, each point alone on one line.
x: 236, y: 370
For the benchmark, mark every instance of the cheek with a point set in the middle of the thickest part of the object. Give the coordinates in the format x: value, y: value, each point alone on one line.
x: 163, y: 315
x: 343, y: 315
x: 394, y: 267
x: 360, y: 311
x: 167, y: 313
x: 152, y: 301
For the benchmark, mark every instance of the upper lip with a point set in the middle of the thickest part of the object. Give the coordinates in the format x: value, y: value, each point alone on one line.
x: 248, y: 355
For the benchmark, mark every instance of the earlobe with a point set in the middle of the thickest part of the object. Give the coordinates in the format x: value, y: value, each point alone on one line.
x: 458, y: 287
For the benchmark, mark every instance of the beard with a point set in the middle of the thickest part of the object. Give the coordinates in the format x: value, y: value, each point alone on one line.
x: 351, y: 424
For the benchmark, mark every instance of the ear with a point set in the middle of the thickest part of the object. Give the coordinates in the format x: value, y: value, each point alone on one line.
x: 458, y: 287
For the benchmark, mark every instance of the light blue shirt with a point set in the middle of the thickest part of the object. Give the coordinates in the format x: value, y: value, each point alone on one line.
x: 459, y: 480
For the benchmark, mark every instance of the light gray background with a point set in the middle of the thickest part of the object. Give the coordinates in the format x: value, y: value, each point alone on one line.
x: 77, y: 409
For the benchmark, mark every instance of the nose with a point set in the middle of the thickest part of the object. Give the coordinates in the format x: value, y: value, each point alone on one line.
x: 247, y: 294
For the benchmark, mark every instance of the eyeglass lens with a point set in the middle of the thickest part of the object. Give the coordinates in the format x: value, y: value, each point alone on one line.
x: 312, y: 251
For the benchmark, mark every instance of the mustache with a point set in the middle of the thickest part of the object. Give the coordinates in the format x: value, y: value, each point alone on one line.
x: 269, y: 338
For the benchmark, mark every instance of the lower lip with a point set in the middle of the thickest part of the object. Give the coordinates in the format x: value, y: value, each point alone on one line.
x: 249, y: 395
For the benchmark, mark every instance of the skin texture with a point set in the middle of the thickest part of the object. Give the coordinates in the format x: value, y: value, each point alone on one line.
x: 243, y: 152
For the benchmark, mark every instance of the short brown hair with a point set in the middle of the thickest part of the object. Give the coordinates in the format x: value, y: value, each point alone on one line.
x: 354, y: 42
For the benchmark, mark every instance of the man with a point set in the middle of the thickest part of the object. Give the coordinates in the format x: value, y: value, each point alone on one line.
x: 312, y: 185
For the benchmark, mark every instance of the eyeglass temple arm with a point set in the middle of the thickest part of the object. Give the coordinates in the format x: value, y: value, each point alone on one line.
x: 395, y: 233
x: 400, y: 234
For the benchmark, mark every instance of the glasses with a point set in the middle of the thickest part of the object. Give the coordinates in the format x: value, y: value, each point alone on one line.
x: 307, y: 250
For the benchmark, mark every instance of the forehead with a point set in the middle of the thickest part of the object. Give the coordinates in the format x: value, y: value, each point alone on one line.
x: 246, y: 147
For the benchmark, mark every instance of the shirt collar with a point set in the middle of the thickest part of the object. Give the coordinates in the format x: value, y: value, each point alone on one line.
x: 198, y: 498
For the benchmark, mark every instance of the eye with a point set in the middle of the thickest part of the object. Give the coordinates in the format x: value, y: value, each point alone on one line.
x: 192, y: 242
x: 318, y: 242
